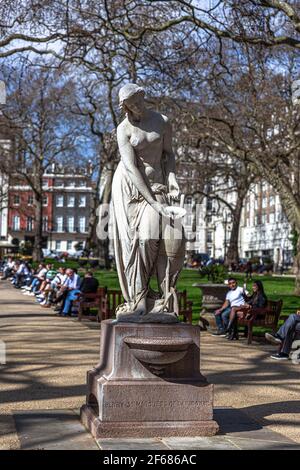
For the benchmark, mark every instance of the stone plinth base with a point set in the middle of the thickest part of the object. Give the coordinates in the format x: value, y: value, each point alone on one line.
x: 148, y: 383
x: 137, y: 429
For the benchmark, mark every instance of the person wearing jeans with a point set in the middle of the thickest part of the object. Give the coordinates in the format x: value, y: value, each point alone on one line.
x: 70, y: 290
x: 222, y: 319
x: 285, y: 336
x: 234, y: 298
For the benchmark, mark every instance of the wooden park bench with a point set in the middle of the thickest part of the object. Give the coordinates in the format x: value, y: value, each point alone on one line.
x: 114, y: 298
x: 107, y: 300
x: 185, y: 306
x: 267, y: 317
x: 89, y: 301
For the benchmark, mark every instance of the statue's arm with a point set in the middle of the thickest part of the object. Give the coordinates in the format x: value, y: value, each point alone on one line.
x: 128, y: 159
x: 173, y: 187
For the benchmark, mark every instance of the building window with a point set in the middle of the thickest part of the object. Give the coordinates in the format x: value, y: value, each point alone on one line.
x: 71, y: 201
x: 45, y: 224
x: 272, y: 201
x: 69, y: 245
x: 59, y: 183
x: 60, y: 201
x: 264, y: 202
x: 209, y: 204
x: 209, y: 237
x: 45, y: 201
x: 30, y: 200
x: 81, y: 224
x: 16, y: 199
x: 29, y: 224
x: 272, y: 217
x: 82, y: 201
x: 71, y: 184
x: 71, y: 224
x: 81, y: 183
x: 58, y: 245
x: 16, y: 222
x: 59, y: 223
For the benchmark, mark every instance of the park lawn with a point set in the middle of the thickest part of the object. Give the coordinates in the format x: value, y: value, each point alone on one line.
x: 276, y: 287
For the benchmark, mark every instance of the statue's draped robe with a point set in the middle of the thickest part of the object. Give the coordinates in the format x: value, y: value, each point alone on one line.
x: 136, y: 235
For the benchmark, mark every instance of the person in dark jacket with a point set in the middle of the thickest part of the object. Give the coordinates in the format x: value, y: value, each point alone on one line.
x: 257, y: 300
x: 89, y: 284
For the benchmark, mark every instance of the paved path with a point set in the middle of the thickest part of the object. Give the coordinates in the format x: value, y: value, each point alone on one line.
x: 48, y: 356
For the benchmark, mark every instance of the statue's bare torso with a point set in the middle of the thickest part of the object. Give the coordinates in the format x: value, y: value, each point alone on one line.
x: 146, y: 138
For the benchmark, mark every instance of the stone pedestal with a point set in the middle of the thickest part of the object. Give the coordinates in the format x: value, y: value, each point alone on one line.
x: 213, y: 297
x: 148, y: 383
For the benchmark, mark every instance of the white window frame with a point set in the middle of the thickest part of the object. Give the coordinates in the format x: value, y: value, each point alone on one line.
x: 59, y: 226
x: 59, y: 199
x: 82, y: 201
x: 16, y: 227
x: 71, y: 227
x: 71, y: 201
x: 29, y: 227
x: 82, y: 228
x: 45, y: 223
x: 17, y: 196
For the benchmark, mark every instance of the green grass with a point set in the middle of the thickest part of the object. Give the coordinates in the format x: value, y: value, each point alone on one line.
x: 276, y: 287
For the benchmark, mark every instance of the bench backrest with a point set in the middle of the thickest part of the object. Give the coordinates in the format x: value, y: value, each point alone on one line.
x: 273, y: 312
x: 114, y: 297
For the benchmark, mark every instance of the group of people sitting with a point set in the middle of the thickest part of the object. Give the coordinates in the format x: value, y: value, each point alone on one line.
x: 239, y: 304
x: 52, y: 288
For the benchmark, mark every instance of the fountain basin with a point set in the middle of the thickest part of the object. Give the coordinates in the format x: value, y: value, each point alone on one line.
x: 158, y: 350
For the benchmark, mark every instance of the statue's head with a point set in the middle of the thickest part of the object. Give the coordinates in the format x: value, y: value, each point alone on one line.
x: 130, y: 97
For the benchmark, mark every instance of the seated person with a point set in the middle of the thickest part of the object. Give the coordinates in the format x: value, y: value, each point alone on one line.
x: 69, y: 291
x: 38, y: 278
x: 88, y: 285
x: 257, y: 300
x: 285, y: 336
x: 45, y: 288
x: 52, y: 292
x: 8, y: 268
x: 234, y: 298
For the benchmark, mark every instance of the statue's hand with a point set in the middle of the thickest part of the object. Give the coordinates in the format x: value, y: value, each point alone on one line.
x: 158, y: 207
x: 174, y: 190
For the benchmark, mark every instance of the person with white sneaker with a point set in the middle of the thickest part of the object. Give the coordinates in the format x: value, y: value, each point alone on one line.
x: 235, y: 297
x: 284, y: 337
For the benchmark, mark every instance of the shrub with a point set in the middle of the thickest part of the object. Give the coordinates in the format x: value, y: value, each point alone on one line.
x: 216, y: 273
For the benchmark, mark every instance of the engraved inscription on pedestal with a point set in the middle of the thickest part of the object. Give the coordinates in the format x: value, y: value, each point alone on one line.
x: 177, y: 402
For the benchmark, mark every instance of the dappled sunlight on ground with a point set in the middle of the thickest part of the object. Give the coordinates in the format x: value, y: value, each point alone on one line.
x: 48, y: 357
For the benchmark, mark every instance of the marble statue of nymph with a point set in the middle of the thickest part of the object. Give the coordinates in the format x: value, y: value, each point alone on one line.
x: 147, y: 242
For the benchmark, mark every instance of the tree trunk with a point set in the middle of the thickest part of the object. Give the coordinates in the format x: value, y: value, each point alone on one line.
x: 37, y: 253
x: 91, y: 241
x: 38, y: 172
x: 296, y: 267
x: 103, y: 221
x: 232, y: 255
